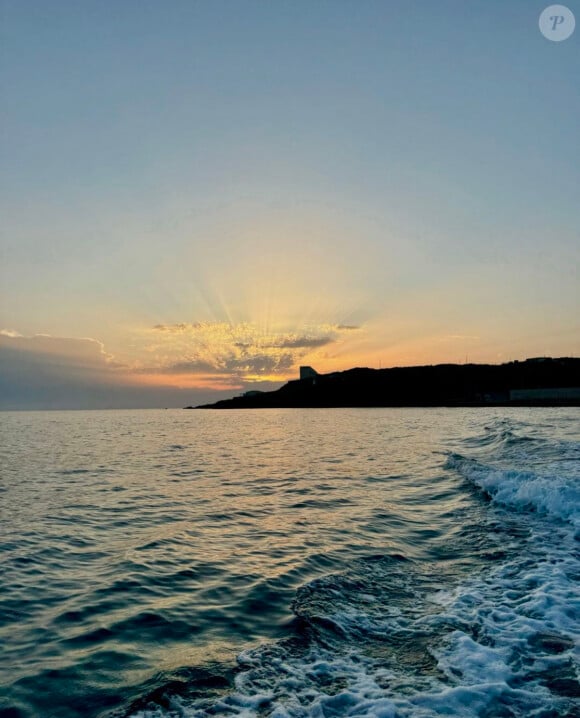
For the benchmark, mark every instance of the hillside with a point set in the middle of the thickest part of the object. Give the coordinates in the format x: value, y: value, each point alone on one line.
x: 533, y: 382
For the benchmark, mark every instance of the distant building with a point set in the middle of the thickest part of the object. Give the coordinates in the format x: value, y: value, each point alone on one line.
x: 307, y: 372
x: 550, y: 394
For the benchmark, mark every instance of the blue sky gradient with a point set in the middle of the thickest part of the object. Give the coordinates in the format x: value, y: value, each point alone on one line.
x: 409, y: 168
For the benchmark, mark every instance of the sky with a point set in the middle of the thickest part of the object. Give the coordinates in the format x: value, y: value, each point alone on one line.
x: 199, y: 196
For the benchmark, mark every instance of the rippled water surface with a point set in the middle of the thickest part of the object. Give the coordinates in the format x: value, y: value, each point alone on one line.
x: 290, y: 563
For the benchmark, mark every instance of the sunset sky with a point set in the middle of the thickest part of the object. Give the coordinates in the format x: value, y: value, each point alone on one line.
x: 198, y: 196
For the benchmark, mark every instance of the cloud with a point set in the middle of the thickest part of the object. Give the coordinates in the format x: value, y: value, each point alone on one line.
x: 193, y: 366
x: 171, y: 364
x: 251, y: 364
x: 243, y: 350
x: 178, y: 328
x: 74, y: 354
x: 271, y: 364
x: 189, y: 327
x: 305, y: 342
x: 46, y: 372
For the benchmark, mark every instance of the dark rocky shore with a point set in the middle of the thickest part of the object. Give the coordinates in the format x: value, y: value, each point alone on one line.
x: 533, y: 382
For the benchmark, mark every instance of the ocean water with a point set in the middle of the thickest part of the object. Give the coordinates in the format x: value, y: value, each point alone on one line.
x: 290, y: 563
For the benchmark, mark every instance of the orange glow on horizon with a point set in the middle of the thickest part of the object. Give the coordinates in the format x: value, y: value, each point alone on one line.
x: 189, y: 381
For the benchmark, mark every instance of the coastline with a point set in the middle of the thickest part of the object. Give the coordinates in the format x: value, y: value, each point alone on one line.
x: 541, y: 382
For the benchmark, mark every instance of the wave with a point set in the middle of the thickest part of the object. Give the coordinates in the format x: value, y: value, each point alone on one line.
x: 381, y: 641
x: 481, y: 655
x: 555, y: 495
x: 391, y: 637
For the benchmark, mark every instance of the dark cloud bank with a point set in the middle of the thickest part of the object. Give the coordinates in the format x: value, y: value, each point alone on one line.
x: 55, y: 373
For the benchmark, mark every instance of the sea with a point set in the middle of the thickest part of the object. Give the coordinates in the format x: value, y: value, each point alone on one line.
x: 296, y: 563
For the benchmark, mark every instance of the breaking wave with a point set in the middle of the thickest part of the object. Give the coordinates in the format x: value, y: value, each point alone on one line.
x: 393, y: 637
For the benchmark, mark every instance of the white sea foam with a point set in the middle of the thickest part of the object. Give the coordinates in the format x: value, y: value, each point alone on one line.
x: 519, y: 629
x: 505, y: 642
x: 556, y: 495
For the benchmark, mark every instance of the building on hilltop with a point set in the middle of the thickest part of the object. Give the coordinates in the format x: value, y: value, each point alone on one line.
x: 307, y: 372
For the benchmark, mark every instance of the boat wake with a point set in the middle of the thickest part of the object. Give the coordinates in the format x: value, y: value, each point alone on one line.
x: 392, y: 637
